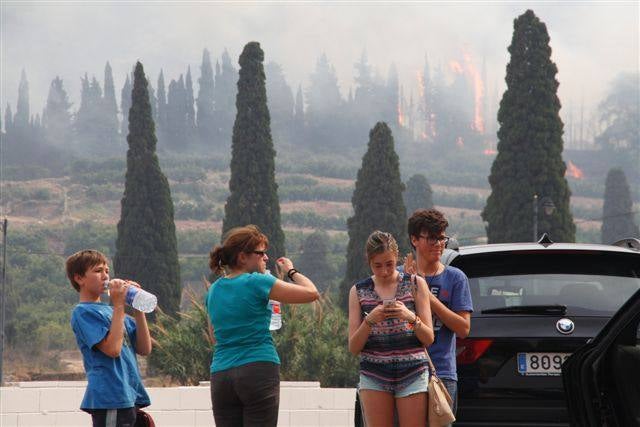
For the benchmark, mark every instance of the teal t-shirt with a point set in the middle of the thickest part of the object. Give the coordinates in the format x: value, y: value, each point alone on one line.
x: 239, y: 312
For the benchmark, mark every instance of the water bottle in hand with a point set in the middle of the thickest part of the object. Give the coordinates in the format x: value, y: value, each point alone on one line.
x: 276, y: 313
x: 138, y: 298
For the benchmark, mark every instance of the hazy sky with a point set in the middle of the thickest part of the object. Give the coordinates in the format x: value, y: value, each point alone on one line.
x: 592, y: 42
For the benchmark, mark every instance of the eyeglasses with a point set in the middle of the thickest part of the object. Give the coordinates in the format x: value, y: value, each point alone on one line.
x: 436, y: 240
x: 261, y: 253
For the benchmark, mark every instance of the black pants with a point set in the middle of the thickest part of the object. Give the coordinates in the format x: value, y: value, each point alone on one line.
x: 123, y: 417
x: 246, y: 396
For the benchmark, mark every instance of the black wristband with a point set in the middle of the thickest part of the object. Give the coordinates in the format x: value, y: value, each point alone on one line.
x: 291, y: 272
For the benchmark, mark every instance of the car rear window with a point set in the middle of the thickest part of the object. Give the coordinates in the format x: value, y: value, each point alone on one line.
x: 582, y: 293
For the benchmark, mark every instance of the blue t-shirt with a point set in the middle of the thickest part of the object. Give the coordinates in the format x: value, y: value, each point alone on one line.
x: 112, y: 382
x: 451, y: 287
x: 239, y: 312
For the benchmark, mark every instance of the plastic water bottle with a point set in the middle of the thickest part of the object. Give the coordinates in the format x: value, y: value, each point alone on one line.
x: 276, y: 313
x: 138, y: 298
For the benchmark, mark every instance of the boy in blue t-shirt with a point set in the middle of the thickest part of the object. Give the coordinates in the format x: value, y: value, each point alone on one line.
x: 450, y: 300
x: 109, y: 341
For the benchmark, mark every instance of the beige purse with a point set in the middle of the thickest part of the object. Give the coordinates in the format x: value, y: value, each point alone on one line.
x: 440, y: 413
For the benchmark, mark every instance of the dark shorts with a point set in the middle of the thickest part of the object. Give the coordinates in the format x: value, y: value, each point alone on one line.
x: 123, y: 417
x: 246, y: 396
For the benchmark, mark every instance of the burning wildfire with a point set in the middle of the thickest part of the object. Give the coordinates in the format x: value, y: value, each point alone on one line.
x: 573, y: 171
x: 478, y: 92
x: 456, y: 67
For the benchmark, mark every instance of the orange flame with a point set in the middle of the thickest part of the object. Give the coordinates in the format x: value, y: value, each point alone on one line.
x: 478, y: 88
x: 573, y: 171
x: 400, y: 114
x: 489, y: 152
x: 456, y: 67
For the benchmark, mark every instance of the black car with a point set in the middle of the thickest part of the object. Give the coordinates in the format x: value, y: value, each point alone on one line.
x: 602, y: 379
x: 534, y: 305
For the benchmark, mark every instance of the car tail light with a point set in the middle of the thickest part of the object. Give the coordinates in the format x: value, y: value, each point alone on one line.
x: 469, y: 350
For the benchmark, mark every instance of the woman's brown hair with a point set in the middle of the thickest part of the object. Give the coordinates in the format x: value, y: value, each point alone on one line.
x: 239, y: 239
x: 379, y: 242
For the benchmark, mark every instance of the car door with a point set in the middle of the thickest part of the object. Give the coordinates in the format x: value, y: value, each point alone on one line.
x: 602, y: 379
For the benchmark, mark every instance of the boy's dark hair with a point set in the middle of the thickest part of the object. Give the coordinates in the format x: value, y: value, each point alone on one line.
x: 431, y: 221
x: 82, y: 261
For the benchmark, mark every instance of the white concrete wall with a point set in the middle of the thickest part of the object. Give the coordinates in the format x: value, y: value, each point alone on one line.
x: 55, y: 403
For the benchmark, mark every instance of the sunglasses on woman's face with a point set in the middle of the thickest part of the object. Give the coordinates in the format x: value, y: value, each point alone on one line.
x: 261, y: 253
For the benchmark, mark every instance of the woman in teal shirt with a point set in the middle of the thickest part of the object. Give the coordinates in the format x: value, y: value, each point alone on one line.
x: 245, y: 371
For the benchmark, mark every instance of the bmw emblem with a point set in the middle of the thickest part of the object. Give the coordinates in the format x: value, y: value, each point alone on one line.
x: 565, y: 326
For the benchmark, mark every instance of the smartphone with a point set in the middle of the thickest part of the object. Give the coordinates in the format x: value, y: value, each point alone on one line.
x: 388, y: 302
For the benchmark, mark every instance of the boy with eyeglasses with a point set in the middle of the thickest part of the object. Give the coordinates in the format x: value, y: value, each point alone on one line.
x: 450, y: 297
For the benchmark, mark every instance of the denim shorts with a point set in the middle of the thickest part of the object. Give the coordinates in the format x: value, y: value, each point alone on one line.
x: 420, y: 385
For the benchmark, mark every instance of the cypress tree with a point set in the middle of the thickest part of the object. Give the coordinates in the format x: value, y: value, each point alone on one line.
x: 22, y: 116
x: 298, y: 114
x: 279, y: 101
x: 146, y: 246
x: 617, y: 211
x: 225, y: 92
x: 125, y: 104
x: 190, y: 105
x: 56, y: 116
x: 253, y: 197
x: 529, y: 160
x: 162, y: 106
x: 110, y: 105
x: 8, y: 120
x: 205, y: 115
x: 391, y: 102
x: 176, y: 130
x: 418, y: 194
x: 377, y: 204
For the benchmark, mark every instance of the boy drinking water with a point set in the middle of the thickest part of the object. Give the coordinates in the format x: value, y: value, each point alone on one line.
x: 109, y: 341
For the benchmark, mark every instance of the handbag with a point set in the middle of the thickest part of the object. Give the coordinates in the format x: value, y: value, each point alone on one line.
x: 440, y: 413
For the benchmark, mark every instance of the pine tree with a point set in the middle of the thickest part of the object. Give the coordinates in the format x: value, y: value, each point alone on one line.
x: 109, y: 106
x: 22, y: 116
x: 377, y: 204
x: 529, y: 160
x: 617, y: 211
x: 323, y: 95
x: 418, y: 194
x: 314, y: 259
x: 205, y: 115
x: 146, y: 246
x: 125, y: 104
x: 57, y: 115
x: 253, y: 195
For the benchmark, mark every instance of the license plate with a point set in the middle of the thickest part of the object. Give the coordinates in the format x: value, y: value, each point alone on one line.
x: 541, y: 364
